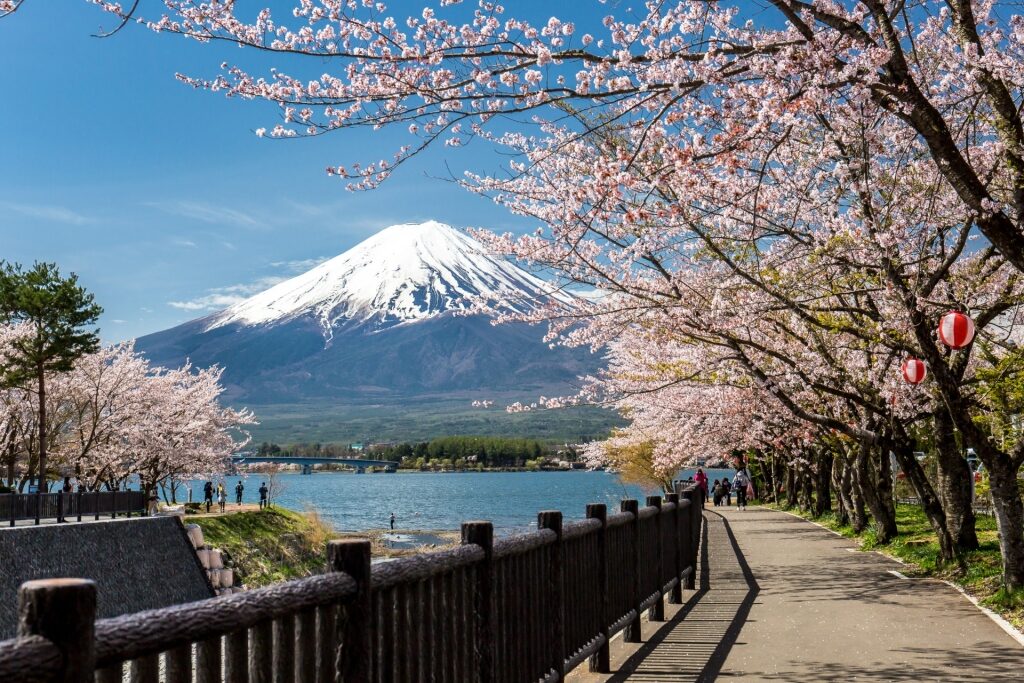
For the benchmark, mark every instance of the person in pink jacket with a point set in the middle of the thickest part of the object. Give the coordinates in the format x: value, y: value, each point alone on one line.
x: 702, y: 482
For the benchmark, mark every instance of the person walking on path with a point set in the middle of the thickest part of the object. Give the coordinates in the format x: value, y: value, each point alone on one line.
x: 239, y: 488
x: 208, y: 494
x: 702, y: 481
x: 263, y: 495
x: 739, y: 483
x: 392, y: 521
x: 727, y: 488
x: 151, y: 503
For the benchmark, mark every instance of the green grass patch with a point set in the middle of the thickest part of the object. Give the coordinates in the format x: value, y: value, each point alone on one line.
x: 268, y: 546
x: 917, y: 546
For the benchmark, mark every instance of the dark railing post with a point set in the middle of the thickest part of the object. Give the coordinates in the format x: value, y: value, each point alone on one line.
x: 96, y: 503
x: 39, y: 504
x: 60, y: 506
x: 482, y: 534
x: 692, y: 536
x: 78, y: 498
x: 64, y: 612
x: 113, y: 504
x: 600, y: 661
x: 552, y: 519
x: 676, y: 596
x: 353, y: 557
x: 657, y: 612
x: 632, y: 633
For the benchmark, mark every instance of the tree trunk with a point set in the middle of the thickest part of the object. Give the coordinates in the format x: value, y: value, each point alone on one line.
x: 12, y: 462
x: 886, y: 494
x: 864, y: 476
x: 858, y: 515
x: 1009, y: 513
x: 954, y: 484
x: 823, y: 483
x: 843, y: 505
x: 806, y: 489
x: 41, y: 376
x: 791, y: 485
x: 903, y: 449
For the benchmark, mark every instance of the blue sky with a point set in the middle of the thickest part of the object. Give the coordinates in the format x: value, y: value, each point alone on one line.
x: 160, y: 197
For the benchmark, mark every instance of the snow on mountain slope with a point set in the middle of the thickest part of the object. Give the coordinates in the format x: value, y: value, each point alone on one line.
x: 401, y: 274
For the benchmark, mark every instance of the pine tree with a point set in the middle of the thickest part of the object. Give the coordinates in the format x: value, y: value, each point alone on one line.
x: 59, y: 313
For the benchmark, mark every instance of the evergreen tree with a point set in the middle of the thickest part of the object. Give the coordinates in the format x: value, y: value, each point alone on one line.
x: 58, y: 311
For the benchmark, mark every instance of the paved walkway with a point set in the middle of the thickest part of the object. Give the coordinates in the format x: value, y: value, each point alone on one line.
x: 780, y: 599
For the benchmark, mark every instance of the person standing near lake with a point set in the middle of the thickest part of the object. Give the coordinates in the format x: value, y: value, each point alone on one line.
x: 208, y: 494
x: 222, y: 497
x: 727, y: 487
x: 702, y: 481
x: 263, y: 495
x: 392, y: 521
x: 239, y: 488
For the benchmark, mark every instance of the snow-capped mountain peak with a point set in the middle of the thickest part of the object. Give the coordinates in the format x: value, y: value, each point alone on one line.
x: 401, y: 274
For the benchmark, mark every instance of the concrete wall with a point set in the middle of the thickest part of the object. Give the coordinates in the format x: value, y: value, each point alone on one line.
x: 137, y: 564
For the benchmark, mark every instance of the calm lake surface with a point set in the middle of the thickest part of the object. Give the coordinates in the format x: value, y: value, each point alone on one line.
x: 511, y: 500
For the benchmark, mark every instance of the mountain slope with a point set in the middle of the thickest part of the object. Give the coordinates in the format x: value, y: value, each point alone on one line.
x: 381, y: 321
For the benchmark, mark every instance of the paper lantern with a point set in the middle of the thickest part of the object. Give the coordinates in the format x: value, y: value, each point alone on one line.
x: 914, y: 370
x: 956, y: 330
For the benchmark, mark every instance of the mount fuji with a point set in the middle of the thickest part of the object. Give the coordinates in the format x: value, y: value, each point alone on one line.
x: 385, y: 321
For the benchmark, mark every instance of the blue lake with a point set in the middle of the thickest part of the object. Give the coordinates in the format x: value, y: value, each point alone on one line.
x: 511, y: 500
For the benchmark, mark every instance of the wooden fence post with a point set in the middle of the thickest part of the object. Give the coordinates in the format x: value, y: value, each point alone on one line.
x: 676, y: 596
x: 600, y: 661
x: 482, y: 534
x: 657, y: 612
x: 64, y: 612
x: 691, y: 542
x: 552, y: 519
x: 632, y: 633
x: 353, y: 558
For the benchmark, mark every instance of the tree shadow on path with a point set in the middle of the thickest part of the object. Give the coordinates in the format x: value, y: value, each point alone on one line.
x: 695, y: 643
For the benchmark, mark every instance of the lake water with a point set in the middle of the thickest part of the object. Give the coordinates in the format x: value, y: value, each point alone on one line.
x: 511, y: 500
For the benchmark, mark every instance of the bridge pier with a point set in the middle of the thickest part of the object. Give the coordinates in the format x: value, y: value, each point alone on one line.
x: 307, y: 469
x: 360, y: 470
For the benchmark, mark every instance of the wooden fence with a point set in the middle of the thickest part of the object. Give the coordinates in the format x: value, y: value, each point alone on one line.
x: 529, y: 607
x: 74, y: 506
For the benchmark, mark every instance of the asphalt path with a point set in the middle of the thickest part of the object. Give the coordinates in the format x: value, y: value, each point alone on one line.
x: 780, y: 599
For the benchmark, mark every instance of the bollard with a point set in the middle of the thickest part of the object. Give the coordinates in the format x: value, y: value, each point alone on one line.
x: 482, y: 534
x: 552, y: 519
x: 600, y: 661
x: 64, y: 612
x: 353, y: 558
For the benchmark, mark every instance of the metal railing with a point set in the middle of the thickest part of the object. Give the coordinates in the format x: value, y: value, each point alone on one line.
x: 524, y: 608
x: 73, y: 506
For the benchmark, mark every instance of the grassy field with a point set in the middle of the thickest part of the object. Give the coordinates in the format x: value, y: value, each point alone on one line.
x: 918, y: 546
x: 422, y: 420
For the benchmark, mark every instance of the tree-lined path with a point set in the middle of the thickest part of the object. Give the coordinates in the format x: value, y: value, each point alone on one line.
x: 780, y: 599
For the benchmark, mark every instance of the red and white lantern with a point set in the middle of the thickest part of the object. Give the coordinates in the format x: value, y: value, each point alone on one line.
x: 956, y: 330
x: 914, y: 370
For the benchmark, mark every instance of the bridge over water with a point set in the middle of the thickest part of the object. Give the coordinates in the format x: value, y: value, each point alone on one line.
x: 358, y: 464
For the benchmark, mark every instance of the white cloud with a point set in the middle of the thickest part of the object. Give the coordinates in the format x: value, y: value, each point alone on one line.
x: 209, y: 213
x: 220, y: 298
x: 186, y: 243
x: 299, y: 265
x: 118, y: 321
x: 47, y: 212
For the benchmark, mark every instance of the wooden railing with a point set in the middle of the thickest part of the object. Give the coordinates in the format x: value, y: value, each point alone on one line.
x: 524, y: 608
x: 74, y: 506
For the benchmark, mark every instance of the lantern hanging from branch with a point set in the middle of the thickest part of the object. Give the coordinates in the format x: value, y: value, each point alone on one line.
x: 914, y: 370
x: 956, y: 330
